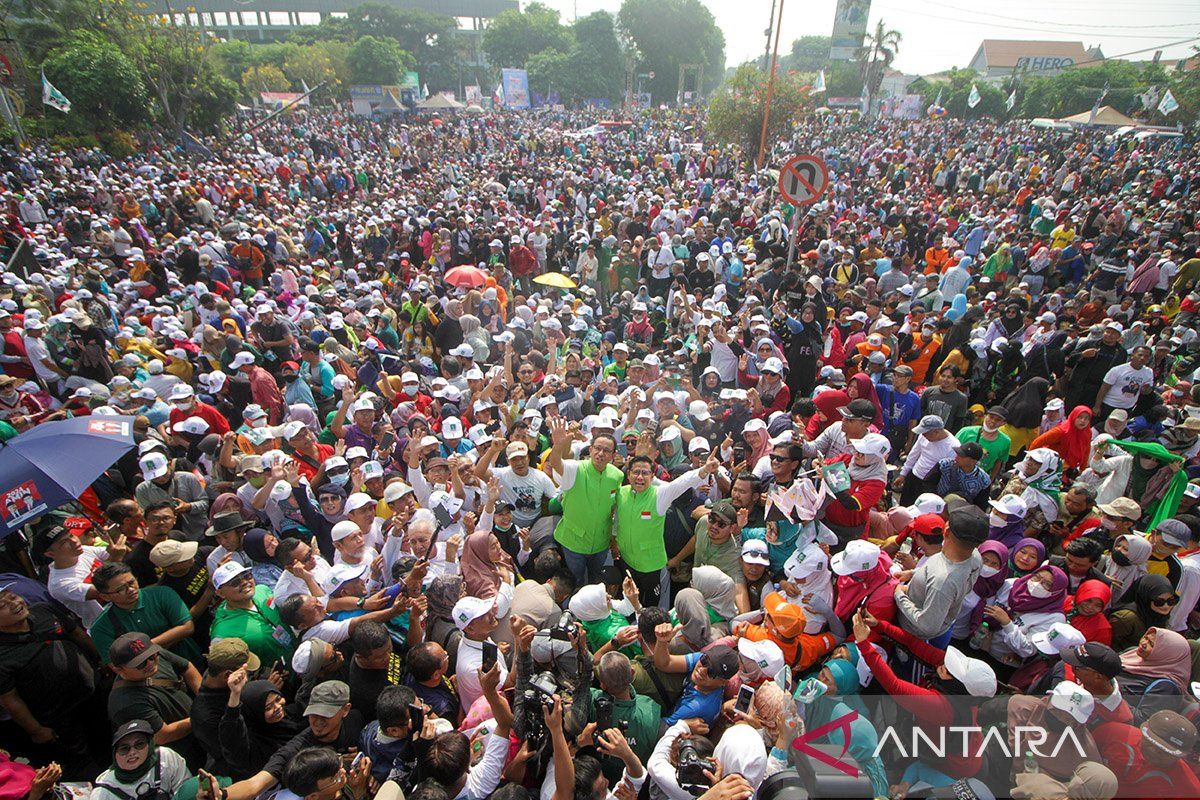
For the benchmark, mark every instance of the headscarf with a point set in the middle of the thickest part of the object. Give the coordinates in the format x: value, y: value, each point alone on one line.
x: 1076, y: 444
x: 1026, y: 403
x: 874, y: 470
x: 590, y: 603
x: 1169, y: 504
x: 265, y: 737
x: 1094, y: 627
x: 300, y: 412
x: 1140, y: 550
x: 481, y: 575
x: 866, y: 391
x: 443, y: 592
x: 1145, y: 590
x: 828, y: 404
x: 1026, y: 542
x: 1042, y: 487
x: 253, y: 546
x: 851, y: 589
x: 1020, y: 601
x: 741, y: 750
x: 717, y: 588
x: 132, y: 776
x: 845, y: 676
x: 692, y: 612
x: 987, y: 587
x: 1170, y: 658
x: 228, y: 501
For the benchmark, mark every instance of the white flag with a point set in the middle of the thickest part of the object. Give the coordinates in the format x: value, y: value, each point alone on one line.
x: 973, y: 98
x: 1168, y: 103
x: 53, y: 97
x: 938, y: 100
x: 819, y: 86
x: 1012, y: 101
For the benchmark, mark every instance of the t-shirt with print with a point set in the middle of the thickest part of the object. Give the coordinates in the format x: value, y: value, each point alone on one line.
x: 525, y: 492
x: 1126, y: 384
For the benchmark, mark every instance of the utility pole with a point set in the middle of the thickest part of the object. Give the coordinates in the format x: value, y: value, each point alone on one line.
x: 770, y: 27
x: 762, y: 138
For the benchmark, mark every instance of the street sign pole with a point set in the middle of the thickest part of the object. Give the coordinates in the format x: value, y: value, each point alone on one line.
x: 803, y: 180
x: 793, y: 232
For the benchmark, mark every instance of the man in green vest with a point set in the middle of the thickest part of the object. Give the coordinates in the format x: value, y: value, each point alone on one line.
x: 641, y: 516
x: 588, y: 494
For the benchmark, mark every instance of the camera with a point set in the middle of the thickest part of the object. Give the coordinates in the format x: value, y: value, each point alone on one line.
x: 535, y: 726
x: 546, y: 686
x: 566, y: 629
x: 690, y: 772
x: 604, y: 716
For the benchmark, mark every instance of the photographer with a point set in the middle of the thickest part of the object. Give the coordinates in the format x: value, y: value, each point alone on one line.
x: 617, y: 705
x: 680, y: 759
x: 559, y: 654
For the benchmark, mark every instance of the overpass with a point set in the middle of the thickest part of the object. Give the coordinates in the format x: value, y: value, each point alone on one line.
x: 275, y: 19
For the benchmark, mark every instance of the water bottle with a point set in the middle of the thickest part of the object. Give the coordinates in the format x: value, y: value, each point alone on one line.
x: 979, y: 637
x: 1031, y: 764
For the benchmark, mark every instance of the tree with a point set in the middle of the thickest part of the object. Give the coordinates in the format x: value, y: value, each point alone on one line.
x: 735, y: 111
x: 808, y: 54
x: 514, y: 36
x: 551, y: 70
x: 879, y: 51
x: 101, y: 82
x: 956, y: 91
x: 667, y: 33
x: 374, y: 60
x: 316, y: 63
x: 597, y: 64
x: 267, y: 78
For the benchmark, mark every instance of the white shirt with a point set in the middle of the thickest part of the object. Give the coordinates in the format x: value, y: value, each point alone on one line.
x: 1125, y: 385
x: 925, y: 455
x: 288, y: 584
x: 470, y: 659
x: 70, y: 586
x: 524, y: 492
x: 39, y: 353
x: 327, y: 630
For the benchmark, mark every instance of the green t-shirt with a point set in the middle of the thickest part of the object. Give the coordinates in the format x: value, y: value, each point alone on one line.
x: 601, y: 631
x: 260, y: 628
x: 158, y: 610
x: 643, y: 716
x: 993, y: 451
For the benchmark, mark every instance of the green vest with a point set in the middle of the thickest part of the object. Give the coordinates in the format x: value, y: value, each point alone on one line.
x: 587, y: 506
x: 640, y: 529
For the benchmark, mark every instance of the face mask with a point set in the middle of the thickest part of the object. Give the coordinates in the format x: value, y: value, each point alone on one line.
x: 261, y: 422
x: 997, y: 520
x: 1038, y: 590
x: 290, y: 378
x: 1108, y: 524
x: 1120, y: 559
x: 339, y: 480
x: 988, y: 572
x: 185, y: 406
x: 989, y: 428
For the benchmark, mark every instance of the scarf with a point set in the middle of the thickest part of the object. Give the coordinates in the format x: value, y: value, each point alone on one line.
x: 1036, y: 545
x: 132, y: 776
x: 1170, y: 658
x: 590, y: 603
x: 1076, y: 443
x: 1166, y: 504
x: 692, y: 612
x: 1146, y: 589
x: 1042, y: 487
x: 865, y: 390
x: 827, y: 404
x: 253, y: 546
x: 852, y: 589
x: 741, y: 750
x: 1094, y: 627
x: 717, y: 588
x: 1140, y: 550
x: 1020, y: 601
x: 481, y: 575
x: 985, y: 588
x: 874, y: 470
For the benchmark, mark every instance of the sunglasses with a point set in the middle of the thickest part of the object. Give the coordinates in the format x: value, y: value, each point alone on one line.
x: 129, y: 747
x: 1165, y: 601
x: 780, y: 458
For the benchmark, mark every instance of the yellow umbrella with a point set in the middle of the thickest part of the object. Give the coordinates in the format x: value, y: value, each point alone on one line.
x: 555, y: 279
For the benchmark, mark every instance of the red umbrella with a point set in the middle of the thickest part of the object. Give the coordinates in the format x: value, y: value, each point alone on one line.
x: 466, y: 277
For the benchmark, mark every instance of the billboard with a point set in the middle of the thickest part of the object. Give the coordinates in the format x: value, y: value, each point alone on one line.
x: 474, y: 95
x: 849, y: 27
x: 515, y: 83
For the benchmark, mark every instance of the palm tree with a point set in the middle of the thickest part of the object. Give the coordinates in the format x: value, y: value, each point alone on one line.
x: 878, y: 52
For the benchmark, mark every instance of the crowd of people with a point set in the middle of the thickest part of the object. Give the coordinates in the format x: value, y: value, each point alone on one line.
x: 476, y: 458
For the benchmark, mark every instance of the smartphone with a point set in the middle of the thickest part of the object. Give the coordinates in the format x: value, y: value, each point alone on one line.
x: 739, y: 453
x: 490, y: 654
x: 354, y: 764
x: 416, y: 716
x: 744, y: 699
x: 604, y: 719
x: 386, y: 441
x: 279, y: 666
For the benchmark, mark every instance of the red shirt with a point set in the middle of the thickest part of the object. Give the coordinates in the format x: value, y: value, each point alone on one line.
x: 1121, y: 746
x: 866, y: 493
x: 216, y: 421
x: 308, y: 469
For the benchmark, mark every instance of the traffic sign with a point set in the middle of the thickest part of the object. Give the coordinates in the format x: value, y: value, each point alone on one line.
x: 803, y: 179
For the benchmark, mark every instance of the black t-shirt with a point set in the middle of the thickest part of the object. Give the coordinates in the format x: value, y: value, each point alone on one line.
x: 207, y: 709
x: 366, y: 684
x: 189, y: 587
x: 138, y: 560
x: 441, y: 698
x: 50, y: 673
x: 346, y: 740
x: 160, y: 700
x: 274, y: 332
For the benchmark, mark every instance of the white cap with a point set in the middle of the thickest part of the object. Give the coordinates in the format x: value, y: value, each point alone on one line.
x: 858, y: 556
x: 469, y: 609
x: 464, y: 350
x: 452, y: 428
x: 977, y: 676
x: 873, y: 444
x: 293, y: 429
x: 1058, y: 637
x: 755, y: 551
x: 755, y: 424
x: 1074, y: 699
x: 193, y: 425
x: 1010, y: 505
x: 180, y: 392
x: 395, y: 491
x: 669, y: 434
x: 698, y: 410
x: 699, y: 444
x: 145, y: 393
x: 153, y: 465
x: 362, y: 404
x: 767, y: 655
x: 242, y: 359
x: 927, y: 503
x: 805, y: 561
x: 371, y: 469
x: 409, y: 377
x: 342, y: 574
x: 343, y: 529
x: 359, y: 500
x: 227, y: 572
x: 357, y: 452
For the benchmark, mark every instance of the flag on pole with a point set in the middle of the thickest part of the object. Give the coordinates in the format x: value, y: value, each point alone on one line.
x: 819, y: 86
x: 53, y: 97
x: 973, y: 98
x: 938, y: 101
x: 498, y: 95
x: 1149, y: 98
x: 1168, y: 103
x: 1012, y: 101
x: 1096, y: 105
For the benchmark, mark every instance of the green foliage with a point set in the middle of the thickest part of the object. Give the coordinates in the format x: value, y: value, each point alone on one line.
x: 1076, y: 90
x: 375, y: 60
x: 843, y: 79
x: 957, y: 90
x: 213, y: 100
x: 808, y: 54
x: 597, y: 62
x: 667, y: 33
x: 735, y: 111
x: 267, y: 78
x: 101, y: 82
x: 551, y: 70
x: 322, y: 61
x: 513, y: 37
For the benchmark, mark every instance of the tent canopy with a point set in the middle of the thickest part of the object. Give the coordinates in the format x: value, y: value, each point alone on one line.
x: 439, y: 102
x: 1106, y: 116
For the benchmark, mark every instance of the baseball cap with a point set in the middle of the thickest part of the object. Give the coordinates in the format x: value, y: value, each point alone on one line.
x: 927, y: 503
x: 134, y: 726
x: 44, y: 540
x: 721, y: 661
x: 228, y: 572
x: 310, y: 656
x: 969, y: 525
x: 873, y: 444
x: 789, y: 619
x: 231, y: 653
x: 1058, y: 637
x: 371, y: 469
x: 132, y: 650
x: 1094, y: 655
x: 164, y: 554
x: 754, y: 551
x: 359, y: 500
x: 153, y: 465
x: 343, y: 529
x: 970, y: 450
x: 929, y: 422
x: 327, y: 699
x: 1072, y: 698
x: 1122, y: 507
x: 516, y: 450
x: 772, y: 365
x: 805, y: 561
x: 858, y: 556
x: 469, y: 609
x: 251, y: 463
x: 341, y: 574
x: 395, y: 491
x: 860, y: 408
x: 1171, y: 732
x: 976, y: 675
x: 699, y: 444
x: 766, y: 655
x: 1010, y: 505
x: 698, y: 410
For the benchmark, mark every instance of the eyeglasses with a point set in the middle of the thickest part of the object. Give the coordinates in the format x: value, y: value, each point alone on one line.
x: 141, y: 743
x: 780, y: 458
x: 1170, y: 600
x: 130, y: 587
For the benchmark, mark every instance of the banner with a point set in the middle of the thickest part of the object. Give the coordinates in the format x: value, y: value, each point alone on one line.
x: 973, y: 98
x: 474, y: 95
x: 516, y: 87
x: 849, y: 28
x: 1168, y: 103
x: 53, y: 97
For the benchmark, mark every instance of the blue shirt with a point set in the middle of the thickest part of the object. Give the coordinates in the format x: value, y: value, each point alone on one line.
x: 898, y: 409
x: 693, y: 702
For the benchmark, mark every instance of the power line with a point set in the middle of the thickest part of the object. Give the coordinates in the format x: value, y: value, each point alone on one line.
x: 1054, y: 24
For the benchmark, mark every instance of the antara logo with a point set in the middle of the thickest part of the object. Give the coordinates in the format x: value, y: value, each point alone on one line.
x: 1026, y: 739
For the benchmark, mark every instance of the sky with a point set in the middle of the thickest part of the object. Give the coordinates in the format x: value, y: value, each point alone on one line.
x: 939, y: 34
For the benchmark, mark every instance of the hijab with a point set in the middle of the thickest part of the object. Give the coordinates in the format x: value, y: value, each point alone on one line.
x: 717, y: 588
x: 253, y: 546
x: 590, y: 603
x: 985, y: 588
x: 1021, y: 601
x: 1026, y: 403
x: 443, y: 592
x: 852, y: 589
x: 866, y: 391
x: 874, y: 470
x: 303, y: 413
x: 828, y: 404
x: 133, y: 776
x: 265, y: 737
x: 1026, y: 542
x: 1076, y: 443
x: 692, y: 613
x: 1143, y: 592
x: 1042, y: 487
x: 1170, y: 658
x: 1140, y: 550
x: 1094, y: 627
x: 741, y: 750
x: 481, y: 575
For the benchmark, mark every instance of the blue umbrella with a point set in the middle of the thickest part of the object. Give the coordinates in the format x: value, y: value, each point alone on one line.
x: 55, y: 462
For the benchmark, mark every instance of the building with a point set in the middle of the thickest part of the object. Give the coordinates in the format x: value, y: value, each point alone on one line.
x: 998, y: 58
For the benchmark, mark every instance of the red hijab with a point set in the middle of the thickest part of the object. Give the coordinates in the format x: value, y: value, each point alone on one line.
x: 1095, y: 627
x: 865, y: 388
x: 828, y: 403
x: 1076, y: 445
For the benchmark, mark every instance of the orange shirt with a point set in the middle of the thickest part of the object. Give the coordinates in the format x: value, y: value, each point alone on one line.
x: 801, y: 652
